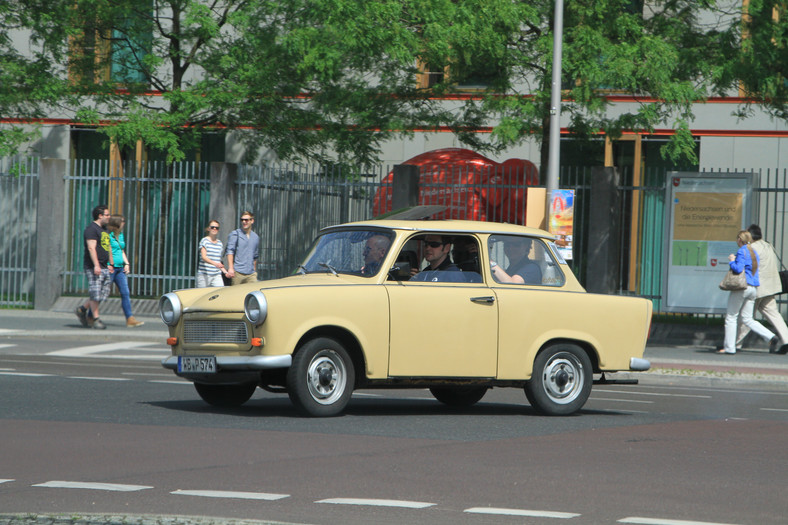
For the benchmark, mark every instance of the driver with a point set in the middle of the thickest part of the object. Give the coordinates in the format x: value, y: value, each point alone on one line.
x: 374, y: 252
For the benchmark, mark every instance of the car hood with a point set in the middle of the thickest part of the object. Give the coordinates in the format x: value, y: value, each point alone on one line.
x: 231, y: 298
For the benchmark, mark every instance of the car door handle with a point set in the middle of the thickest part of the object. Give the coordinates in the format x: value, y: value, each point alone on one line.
x: 489, y: 299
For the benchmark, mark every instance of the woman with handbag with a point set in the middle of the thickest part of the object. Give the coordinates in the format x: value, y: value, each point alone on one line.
x: 742, y: 297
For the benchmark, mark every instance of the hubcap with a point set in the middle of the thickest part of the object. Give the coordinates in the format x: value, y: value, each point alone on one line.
x: 326, y: 377
x: 563, y: 378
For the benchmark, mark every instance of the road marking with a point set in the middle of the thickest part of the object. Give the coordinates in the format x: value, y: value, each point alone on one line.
x: 24, y: 374
x: 521, y: 512
x: 632, y: 392
x: 230, y: 494
x: 6, y: 480
x: 8, y: 331
x: 378, y: 502
x: 92, y: 350
x: 7, y: 346
x: 100, y: 378
x: 115, y: 487
x: 653, y: 521
x: 775, y: 409
x: 592, y: 398
x: 170, y: 382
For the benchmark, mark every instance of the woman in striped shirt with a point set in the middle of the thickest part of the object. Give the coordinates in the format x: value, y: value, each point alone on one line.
x: 210, y: 267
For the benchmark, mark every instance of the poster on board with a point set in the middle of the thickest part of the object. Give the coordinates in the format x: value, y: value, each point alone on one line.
x: 562, y: 220
x: 703, y: 214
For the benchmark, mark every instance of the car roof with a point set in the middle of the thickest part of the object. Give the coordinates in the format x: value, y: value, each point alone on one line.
x: 448, y: 226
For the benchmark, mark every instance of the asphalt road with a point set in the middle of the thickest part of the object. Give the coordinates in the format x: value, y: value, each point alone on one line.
x: 95, y: 425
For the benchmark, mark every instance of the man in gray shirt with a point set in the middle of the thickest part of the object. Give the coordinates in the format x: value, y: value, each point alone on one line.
x: 243, y: 248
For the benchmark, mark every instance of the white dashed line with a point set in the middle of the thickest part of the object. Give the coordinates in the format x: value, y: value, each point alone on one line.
x: 632, y: 392
x: 100, y: 378
x: 8, y: 331
x: 92, y: 350
x: 656, y: 521
x: 230, y: 494
x: 6, y: 480
x: 521, y: 512
x: 170, y: 382
x: 621, y: 400
x: 378, y: 502
x: 114, y: 487
x: 24, y: 374
x: 775, y: 409
x: 7, y: 346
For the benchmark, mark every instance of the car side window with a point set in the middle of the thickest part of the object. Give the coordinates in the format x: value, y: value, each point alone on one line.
x: 438, y: 258
x: 516, y: 259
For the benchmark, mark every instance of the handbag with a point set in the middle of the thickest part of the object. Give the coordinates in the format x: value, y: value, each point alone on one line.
x: 784, y: 280
x: 734, y: 281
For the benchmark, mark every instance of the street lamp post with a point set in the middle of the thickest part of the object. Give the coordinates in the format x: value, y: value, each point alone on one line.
x: 554, y: 151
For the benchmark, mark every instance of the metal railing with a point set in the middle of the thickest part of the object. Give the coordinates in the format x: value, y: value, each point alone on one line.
x: 18, y: 205
x: 166, y: 208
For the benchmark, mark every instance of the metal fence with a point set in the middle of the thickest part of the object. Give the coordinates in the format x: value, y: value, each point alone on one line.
x: 292, y: 203
x: 166, y: 208
x: 18, y: 205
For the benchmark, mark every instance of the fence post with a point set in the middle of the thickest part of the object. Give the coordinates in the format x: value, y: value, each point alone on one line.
x: 50, y: 218
x: 604, y: 231
x: 405, y: 186
x: 223, y: 205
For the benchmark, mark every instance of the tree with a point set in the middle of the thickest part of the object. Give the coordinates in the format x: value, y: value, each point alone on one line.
x: 762, y: 62
x: 310, y: 79
x: 667, y: 55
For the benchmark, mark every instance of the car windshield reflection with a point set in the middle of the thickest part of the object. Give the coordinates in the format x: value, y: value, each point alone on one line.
x: 354, y: 252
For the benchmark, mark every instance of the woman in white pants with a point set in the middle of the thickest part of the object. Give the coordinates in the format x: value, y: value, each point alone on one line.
x: 741, y: 302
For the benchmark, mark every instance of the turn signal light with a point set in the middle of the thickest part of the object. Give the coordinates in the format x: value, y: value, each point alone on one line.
x: 172, y: 341
x: 257, y: 341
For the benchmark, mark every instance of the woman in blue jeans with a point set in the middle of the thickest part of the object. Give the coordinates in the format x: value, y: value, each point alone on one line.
x: 121, y: 263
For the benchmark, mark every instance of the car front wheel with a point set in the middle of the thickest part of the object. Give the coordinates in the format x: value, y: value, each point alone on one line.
x: 561, y: 380
x: 321, y: 378
x: 225, y: 395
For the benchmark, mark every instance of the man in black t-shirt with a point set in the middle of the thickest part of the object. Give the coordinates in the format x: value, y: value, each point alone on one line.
x: 98, y: 267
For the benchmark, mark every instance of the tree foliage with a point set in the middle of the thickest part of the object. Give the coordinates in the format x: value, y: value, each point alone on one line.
x: 319, y: 79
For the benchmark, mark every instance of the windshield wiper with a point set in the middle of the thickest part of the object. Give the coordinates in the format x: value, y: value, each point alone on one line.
x: 331, y: 268
x: 302, y: 269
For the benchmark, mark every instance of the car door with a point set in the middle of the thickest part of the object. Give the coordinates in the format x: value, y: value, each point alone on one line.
x: 441, y: 329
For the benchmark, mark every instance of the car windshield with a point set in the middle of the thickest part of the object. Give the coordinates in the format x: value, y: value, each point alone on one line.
x: 357, y: 252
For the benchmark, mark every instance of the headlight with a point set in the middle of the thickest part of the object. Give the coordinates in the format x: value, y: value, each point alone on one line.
x: 256, y: 307
x: 170, y: 308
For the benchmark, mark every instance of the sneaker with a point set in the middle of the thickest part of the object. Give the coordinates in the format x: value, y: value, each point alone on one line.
x: 132, y: 322
x: 82, y: 315
x: 773, y: 344
x: 98, y: 324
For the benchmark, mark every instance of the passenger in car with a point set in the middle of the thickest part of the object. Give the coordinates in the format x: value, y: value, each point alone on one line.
x: 466, y: 254
x: 374, y: 252
x: 521, y: 269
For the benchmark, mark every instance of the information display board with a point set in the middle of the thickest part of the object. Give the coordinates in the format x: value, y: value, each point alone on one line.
x: 703, y: 214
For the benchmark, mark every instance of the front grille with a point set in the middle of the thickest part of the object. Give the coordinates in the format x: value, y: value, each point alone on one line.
x: 233, y: 332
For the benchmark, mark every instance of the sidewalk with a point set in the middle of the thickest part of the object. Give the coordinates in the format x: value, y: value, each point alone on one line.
x: 674, y: 351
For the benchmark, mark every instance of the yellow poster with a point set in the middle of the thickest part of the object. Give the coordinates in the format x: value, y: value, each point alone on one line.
x: 707, y: 216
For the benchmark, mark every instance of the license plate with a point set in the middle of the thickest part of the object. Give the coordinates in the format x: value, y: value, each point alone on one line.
x: 197, y: 365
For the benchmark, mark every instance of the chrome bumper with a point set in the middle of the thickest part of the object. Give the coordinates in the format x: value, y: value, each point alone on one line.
x: 239, y: 363
x: 638, y: 364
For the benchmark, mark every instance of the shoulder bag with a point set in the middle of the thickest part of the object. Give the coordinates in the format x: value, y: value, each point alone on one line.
x: 733, y: 281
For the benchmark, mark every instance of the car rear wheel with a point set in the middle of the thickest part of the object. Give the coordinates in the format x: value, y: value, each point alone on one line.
x: 459, y: 396
x: 561, y: 380
x: 225, y: 395
x: 321, y: 378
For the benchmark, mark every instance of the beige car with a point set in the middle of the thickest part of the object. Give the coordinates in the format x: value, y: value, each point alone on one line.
x: 364, y: 310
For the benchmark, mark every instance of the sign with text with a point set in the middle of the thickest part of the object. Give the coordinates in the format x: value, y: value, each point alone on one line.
x: 704, y: 213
